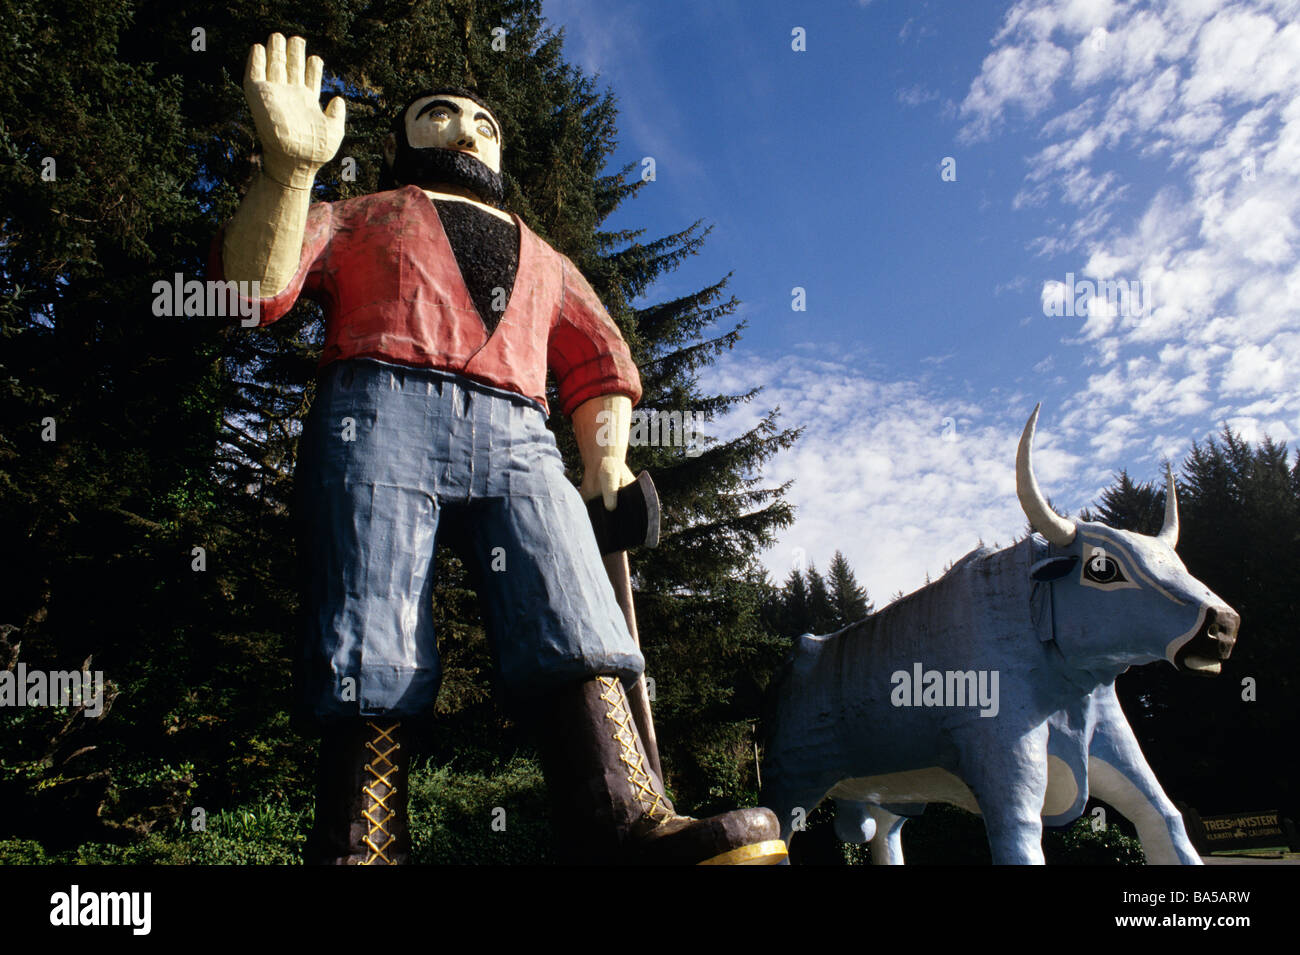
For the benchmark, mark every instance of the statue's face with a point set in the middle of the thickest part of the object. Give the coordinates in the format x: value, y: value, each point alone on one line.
x: 453, y: 122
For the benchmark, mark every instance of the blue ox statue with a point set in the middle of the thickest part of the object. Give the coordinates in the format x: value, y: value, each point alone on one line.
x: 993, y: 689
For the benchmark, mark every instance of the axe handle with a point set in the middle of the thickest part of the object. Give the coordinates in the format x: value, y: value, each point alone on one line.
x: 620, y: 577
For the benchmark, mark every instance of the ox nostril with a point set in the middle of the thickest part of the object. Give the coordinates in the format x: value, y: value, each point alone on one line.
x: 1223, y: 623
x: 1228, y: 622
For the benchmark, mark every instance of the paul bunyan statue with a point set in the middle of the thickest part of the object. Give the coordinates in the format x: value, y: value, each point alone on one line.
x: 442, y: 315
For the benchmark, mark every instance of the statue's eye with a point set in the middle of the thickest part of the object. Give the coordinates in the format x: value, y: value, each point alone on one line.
x: 486, y: 131
x: 1103, y: 570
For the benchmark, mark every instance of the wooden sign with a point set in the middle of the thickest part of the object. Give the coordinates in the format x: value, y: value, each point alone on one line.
x: 1243, y: 830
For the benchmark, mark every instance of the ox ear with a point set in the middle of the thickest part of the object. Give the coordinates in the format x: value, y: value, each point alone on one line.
x: 1053, y: 568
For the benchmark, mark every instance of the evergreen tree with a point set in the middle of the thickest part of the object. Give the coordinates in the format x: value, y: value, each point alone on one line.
x: 103, y: 505
x: 796, y: 618
x: 821, y: 610
x: 848, y: 599
x: 1130, y: 506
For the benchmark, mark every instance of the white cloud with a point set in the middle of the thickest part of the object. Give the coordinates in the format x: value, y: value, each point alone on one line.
x: 895, y: 474
x: 916, y: 95
x: 1018, y: 75
x: 1259, y: 227
x: 1253, y: 370
x: 1203, y: 99
x: 1072, y: 120
x: 1241, y: 55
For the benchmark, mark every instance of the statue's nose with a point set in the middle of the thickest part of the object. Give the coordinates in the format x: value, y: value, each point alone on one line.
x: 1221, y: 626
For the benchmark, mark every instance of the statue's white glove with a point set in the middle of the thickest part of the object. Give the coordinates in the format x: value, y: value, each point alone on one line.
x: 282, y: 86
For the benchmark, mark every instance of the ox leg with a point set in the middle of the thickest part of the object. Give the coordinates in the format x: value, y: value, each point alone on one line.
x: 887, y: 845
x: 1119, y: 774
x: 1010, y: 783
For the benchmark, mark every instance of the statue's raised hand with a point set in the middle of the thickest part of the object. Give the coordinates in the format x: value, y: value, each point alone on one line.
x: 283, y: 89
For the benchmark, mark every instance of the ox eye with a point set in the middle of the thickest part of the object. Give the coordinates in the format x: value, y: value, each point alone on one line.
x: 1103, y: 570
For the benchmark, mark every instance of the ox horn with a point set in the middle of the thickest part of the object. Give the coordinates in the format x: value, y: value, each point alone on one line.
x: 1042, y: 518
x: 1169, y: 531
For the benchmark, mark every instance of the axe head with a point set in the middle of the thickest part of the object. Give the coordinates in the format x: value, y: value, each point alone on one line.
x: 634, y: 521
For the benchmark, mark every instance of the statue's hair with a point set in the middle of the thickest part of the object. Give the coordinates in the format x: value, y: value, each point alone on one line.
x: 399, y: 121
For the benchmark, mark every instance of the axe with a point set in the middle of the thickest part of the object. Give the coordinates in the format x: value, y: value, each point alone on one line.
x: 634, y: 522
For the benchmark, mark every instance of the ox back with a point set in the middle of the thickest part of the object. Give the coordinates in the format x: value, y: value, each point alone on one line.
x: 831, y: 704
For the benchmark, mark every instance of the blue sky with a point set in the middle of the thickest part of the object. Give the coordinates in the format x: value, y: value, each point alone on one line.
x: 1152, y: 142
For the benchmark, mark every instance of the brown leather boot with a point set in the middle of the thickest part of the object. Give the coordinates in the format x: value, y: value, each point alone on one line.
x: 609, y: 807
x: 361, y: 792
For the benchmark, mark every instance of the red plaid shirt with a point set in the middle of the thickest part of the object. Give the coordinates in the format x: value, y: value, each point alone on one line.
x: 383, y: 268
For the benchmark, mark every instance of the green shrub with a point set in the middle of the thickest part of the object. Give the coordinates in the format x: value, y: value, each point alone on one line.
x: 22, y: 852
x: 266, y: 834
x: 1080, y: 845
x: 453, y: 815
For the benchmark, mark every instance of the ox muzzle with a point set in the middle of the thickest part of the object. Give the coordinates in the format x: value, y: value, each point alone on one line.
x: 1212, y: 644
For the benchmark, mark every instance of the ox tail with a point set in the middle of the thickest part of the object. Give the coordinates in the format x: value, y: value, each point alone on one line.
x: 769, y: 709
x: 767, y: 713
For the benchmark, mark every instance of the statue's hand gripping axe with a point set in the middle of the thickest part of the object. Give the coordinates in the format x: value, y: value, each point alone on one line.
x: 634, y: 522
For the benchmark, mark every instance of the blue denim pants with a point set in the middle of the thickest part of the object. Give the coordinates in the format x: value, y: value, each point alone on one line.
x: 387, y: 452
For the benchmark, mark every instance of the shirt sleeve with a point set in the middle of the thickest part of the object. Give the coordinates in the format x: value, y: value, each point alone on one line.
x: 311, y: 266
x: 586, y: 350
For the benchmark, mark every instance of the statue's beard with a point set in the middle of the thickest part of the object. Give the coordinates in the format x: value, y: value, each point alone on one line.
x: 431, y: 166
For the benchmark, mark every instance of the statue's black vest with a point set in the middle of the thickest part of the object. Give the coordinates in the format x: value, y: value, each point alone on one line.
x: 487, y: 251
